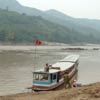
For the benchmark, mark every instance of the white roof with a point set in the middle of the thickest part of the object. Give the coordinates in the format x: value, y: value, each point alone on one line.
x: 70, y: 58
x: 63, y: 65
x: 50, y: 71
x: 53, y: 70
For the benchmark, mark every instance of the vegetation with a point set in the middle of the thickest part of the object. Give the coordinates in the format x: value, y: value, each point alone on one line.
x: 20, y: 28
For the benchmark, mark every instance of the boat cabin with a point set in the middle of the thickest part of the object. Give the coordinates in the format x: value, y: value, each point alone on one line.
x: 46, y: 77
x: 54, y: 75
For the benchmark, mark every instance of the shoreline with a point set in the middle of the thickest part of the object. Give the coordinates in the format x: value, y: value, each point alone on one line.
x: 42, y: 47
x: 86, y: 92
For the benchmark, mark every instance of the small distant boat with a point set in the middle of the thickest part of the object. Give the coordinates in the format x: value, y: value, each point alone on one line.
x: 53, y: 79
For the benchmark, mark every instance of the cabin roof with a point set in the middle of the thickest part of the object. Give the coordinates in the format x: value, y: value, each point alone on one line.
x: 53, y: 70
x: 70, y: 58
x: 63, y: 65
x: 50, y: 71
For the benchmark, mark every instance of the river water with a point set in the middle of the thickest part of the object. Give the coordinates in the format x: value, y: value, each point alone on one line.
x: 16, y: 66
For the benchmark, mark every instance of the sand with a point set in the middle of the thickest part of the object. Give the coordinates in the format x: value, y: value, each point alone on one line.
x: 87, y: 92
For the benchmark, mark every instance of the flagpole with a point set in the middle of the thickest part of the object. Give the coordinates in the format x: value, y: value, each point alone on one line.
x: 35, y: 57
x: 36, y: 43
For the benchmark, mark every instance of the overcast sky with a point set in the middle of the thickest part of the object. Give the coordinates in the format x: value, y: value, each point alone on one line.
x: 75, y: 8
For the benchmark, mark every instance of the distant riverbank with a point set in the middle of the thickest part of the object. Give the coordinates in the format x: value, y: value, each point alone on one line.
x: 63, y: 47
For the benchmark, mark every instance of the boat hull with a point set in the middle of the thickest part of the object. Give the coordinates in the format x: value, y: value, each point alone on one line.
x: 58, y: 85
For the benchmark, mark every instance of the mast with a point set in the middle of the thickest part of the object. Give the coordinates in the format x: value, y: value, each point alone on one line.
x: 36, y: 43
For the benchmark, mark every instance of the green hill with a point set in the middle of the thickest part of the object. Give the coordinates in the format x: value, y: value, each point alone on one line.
x: 50, y: 25
x: 20, y: 28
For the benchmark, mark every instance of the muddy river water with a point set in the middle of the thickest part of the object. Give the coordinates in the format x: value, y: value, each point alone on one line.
x: 16, y: 66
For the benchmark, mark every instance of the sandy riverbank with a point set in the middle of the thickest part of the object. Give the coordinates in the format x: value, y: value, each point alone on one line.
x: 27, y: 48
x: 32, y: 47
x: 88, y: 92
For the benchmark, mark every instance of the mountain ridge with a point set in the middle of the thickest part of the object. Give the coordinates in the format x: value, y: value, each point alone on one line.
x: 83, y: 27
x: 14, y: 5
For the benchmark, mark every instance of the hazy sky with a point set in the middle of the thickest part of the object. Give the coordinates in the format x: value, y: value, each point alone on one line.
x: 74, y: 8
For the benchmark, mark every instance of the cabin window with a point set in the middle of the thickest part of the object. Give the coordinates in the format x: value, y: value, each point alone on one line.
x: 44, y: 77
x: 54, y: 76
x: 39, y: 76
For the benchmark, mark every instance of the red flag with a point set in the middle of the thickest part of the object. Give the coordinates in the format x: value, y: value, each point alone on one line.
x: 38, y: 42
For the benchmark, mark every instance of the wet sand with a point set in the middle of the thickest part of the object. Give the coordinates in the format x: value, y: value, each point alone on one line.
x: 87, y: 92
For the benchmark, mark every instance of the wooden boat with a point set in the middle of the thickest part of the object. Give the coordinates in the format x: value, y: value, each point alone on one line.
x: 53, y: 79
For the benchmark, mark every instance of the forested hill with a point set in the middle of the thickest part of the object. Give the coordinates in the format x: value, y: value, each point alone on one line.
x: 20, y: 28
